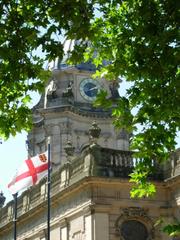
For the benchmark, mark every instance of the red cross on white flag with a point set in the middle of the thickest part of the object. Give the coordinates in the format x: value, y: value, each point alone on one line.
x: 30, y: 173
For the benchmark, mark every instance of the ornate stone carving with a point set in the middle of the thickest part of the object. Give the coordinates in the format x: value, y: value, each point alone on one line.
x: 134, y: 211
x: 51, y: 90
x: 92, y: 159
x: 94, y: 131
x: 69, y: 149
x: 113, y: 87
x: 135, y: 214
x: 68, y: 92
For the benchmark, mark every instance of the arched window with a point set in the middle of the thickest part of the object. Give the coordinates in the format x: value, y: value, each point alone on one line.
x: 133, y: 230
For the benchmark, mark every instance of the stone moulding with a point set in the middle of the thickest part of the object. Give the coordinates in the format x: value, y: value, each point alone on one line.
x: 94, y: 162
x: 137, y: 214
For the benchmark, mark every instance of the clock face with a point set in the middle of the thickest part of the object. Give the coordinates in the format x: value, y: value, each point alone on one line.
x: 89, y: 89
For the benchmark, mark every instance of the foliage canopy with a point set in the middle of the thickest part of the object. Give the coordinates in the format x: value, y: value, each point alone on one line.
x: 139, y: 39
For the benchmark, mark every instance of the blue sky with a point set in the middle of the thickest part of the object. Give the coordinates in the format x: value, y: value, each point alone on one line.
x: 12, y: 153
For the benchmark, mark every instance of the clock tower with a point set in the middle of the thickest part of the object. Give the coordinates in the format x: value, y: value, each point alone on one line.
x: 90, y: 187
x: 65, y: 111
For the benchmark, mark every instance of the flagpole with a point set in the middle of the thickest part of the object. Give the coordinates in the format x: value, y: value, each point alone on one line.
x: 15, y: 215
x: 48, y: 190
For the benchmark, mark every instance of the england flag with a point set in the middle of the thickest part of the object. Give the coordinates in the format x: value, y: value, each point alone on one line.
x: 30, y: 173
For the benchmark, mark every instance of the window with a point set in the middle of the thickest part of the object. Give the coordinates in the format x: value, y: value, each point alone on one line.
x: 133, y: 230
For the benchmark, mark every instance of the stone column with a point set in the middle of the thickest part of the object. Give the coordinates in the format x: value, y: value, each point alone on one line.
x: 101, y: 226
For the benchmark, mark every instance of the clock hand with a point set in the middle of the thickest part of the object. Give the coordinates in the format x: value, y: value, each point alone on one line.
x: 93, y: 88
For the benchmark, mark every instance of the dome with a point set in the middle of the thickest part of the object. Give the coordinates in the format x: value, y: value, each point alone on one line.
x: 61, y: 64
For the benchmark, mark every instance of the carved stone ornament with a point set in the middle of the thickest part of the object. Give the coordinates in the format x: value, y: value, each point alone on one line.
x: 69, y: 149
x: 94, y: 131
x: 68, y: 92
x: 132, y: 219
x: 134, y: 211
x: 51, y: 90
x: 113, y: 87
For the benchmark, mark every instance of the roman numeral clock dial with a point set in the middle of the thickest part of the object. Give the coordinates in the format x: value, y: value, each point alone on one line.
x: 89, y: 88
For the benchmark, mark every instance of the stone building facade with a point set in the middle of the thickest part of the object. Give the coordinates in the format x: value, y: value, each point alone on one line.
x: 90, y: 188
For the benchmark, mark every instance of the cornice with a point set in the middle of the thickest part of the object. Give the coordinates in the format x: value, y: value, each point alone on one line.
x: 63, y: 194
x: 78, y: 111
x: 175, y: 180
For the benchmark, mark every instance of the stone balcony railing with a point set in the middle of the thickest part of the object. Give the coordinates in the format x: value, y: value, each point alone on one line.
x: 121, y: 164
x: 93, y: 161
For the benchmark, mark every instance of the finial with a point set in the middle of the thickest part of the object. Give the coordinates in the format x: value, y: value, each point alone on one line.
x: 2, y: 199
x: 94, y: 131
x: 69, y: 149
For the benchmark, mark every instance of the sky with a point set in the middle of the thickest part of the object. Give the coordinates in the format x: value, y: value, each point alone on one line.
x: 13, y: 152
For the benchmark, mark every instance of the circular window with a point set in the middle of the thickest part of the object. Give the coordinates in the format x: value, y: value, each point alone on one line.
x: 133, y: 230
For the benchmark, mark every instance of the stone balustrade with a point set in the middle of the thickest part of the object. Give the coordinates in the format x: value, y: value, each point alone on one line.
x: 95, y: 161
